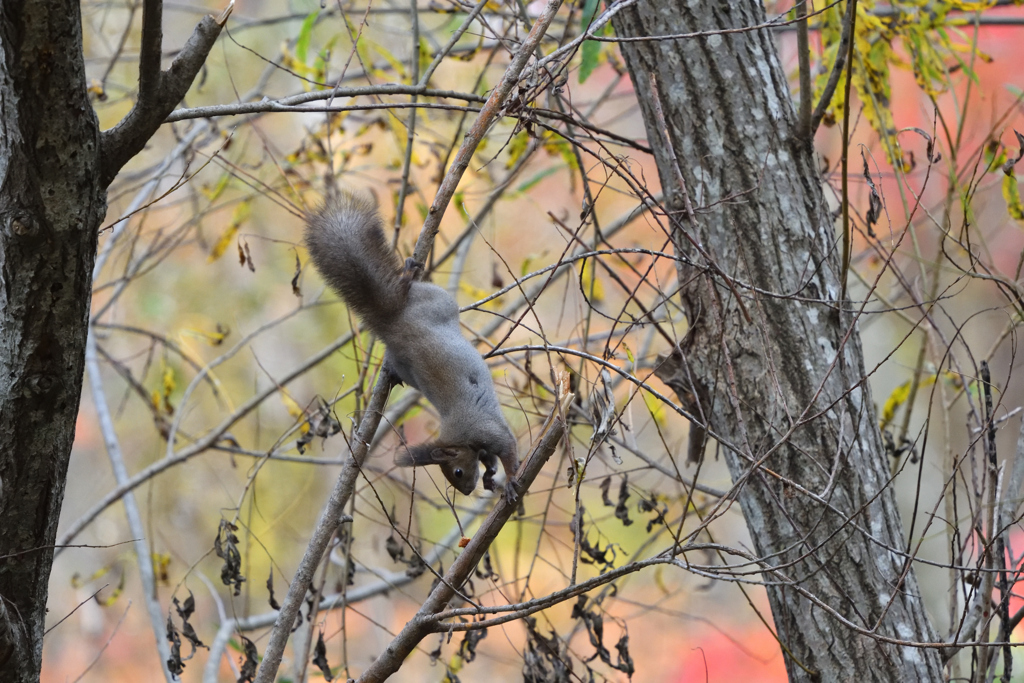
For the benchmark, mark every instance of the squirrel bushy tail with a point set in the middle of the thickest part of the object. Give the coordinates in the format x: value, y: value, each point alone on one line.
x: 346, y: 242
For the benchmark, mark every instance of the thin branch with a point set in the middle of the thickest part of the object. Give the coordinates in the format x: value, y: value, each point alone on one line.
x: 325, y: 528
x: 492, y: 109
x: 837, y: 69
x: 803, y: 48
x: 206, y: 442
x: 159, y: 91
x: 291, y: 102
x: 143, y: 555
x: 387, y: 582
x: 422, y: 624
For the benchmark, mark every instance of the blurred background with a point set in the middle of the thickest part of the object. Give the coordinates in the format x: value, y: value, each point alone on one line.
x: 231, y: 377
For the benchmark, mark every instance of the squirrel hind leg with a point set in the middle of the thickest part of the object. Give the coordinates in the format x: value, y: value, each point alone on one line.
x: 412, y: 269
x: 510, y: 490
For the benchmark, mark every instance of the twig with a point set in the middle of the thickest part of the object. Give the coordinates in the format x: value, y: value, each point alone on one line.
x: 105, y: 645
x: 803, y: 48
x: 847, y: 237
x: 325, y: 528
x: 65, y: 617
x: 387, y: 582
x: 143, y: 555
x: 490, y: 111
x: 845, y: 39
x: 422, y: 624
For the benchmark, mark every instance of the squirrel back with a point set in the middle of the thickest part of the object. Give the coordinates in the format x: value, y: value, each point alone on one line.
x: 346, y: 241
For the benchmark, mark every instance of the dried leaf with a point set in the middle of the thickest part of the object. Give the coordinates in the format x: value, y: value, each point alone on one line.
x: 296, y: 290
x: 226, y: 548
x: 874, y: 200
x: 247, y: 671
x: 272, y: 601
x: 320, y: 657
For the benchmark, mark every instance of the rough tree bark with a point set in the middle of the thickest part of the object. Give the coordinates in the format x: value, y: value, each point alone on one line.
x: 784, y: 389
x: 51, y: 205
x: 55, y: 166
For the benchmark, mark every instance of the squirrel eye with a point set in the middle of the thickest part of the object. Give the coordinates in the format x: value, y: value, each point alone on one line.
x: 458, y: 473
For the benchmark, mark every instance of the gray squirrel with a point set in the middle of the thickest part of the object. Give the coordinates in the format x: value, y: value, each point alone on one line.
x: 419, y: 325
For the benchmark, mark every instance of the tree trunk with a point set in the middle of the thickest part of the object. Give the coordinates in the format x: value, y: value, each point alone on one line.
x: 51, y: 206
x: 719, y: 116
x: 55, y: 167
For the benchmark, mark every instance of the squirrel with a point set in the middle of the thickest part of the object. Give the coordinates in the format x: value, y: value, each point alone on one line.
x: 419, y: 325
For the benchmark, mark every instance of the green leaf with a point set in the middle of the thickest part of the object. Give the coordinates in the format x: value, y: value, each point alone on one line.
x: 538, y: 177
x: 302, y: 42
x: 589, y: 53
x: 591, y: 49
x: 589, y: 10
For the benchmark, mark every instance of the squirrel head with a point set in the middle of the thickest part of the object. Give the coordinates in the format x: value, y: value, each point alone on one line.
x: 459, y: 464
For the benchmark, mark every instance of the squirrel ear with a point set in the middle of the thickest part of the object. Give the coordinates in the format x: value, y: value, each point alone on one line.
x: 424, y: 454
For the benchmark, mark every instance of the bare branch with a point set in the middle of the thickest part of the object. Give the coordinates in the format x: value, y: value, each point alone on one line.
x: 143, y: 554
x: 325, y: 528
x: 422, y: 624
x: 159, y: 91
x: 496, y: 103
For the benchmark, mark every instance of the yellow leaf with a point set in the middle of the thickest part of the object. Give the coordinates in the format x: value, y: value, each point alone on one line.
x: 168, y: 381
x: 557, y: 145
x: 901, y: 393
x: 473, y: 292
x: 212, y: 193
x: 77, y: 581
x: 425, y: 55
x: 524, y: 269
x: 966, y: 6
x: 226, y: 238
x: 659, y: 579
x: 212, y: 338
x: 629, y: 353
x: 516, y: 147
x: 161, y: 562
x: 459, y: 202
x: 240, y: 215
x: 320, y: 63
x: 592, y: 287
x: 162, y: 401
x: 114, y: 594
x: 293, y: 408
x: 96, y: 90
x: 897, y: 398
x: 1011, y: 193
x: 655, y: 408
x: 396, y: 64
